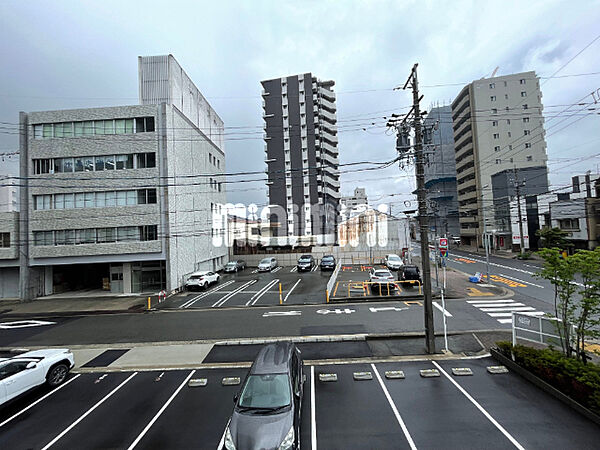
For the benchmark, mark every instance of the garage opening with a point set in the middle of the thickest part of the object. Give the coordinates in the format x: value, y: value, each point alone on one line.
x: 80, y: 277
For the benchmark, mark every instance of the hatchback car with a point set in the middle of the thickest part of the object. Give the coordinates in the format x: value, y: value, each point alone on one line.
x: 201, y: 280
x: 305, y: 262
x: 409, y: 273
x: 328, y: 262
x: 267, y: 410
x: 267, y: 264
x: 393, y: 262
x: 382, y: 277
x: 234, y: 266
x: 28, y: 370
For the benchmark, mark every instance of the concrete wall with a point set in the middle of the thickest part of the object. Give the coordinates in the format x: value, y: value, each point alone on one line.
x: 9, y: 223
x: 571, y: 209
x: 9, y: 282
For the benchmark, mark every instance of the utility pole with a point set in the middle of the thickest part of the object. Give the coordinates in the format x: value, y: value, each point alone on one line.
x: 423, y: 218
x: 518, y: 193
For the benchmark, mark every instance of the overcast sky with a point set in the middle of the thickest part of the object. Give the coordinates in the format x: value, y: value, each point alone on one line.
x: 71, y: 54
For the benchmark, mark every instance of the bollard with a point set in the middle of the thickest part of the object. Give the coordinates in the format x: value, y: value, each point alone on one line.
x: 280, y: 298
x: 149, y: 303
x: 327, y: 295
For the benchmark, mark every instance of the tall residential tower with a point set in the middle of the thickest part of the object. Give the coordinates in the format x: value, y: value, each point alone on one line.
x: 302, y: 157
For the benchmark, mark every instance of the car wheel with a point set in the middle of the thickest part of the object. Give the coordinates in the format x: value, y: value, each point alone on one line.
x: 57, y: 374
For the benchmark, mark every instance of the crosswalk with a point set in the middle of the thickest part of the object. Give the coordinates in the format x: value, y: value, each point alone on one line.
x: 502, y: 310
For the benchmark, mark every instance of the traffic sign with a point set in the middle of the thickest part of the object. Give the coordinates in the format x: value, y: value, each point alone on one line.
x: 443, y: 243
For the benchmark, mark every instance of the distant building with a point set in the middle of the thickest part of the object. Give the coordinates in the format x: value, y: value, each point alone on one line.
x: 302, y: 157
x: 440, y: 174
x: 586, y: 184
x: 375, y: 230
x: 358, y: 199
x: 108, y: 202
x: 580, y: 218
x: 498, y: 125
x: 9, y: 196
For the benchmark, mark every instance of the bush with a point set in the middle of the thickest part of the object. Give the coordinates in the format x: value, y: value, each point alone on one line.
x: 579, y: 381
x: 524, y: 255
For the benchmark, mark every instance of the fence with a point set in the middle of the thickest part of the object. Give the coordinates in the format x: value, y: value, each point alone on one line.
x: 535, y: 328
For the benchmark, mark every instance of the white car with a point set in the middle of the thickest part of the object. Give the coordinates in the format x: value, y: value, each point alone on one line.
x: 382, y: 277
x: 201, y: 280
x: 267, y: 264
x: 26, y: 371
x: 393, y: 262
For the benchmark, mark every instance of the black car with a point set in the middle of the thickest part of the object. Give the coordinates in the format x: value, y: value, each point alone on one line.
x: 267, y: 410
x: 306, y: 262
x: 409, y: 273
x: 235, y: 266
x: 327, y: 262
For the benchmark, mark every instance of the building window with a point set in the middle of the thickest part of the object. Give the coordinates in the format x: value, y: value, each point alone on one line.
x: 497, y: 148
x: 505, y: 96
x: 4, y: 240
x: 526, y: 132
x: 492, y: 85
x: 525, y: 106
x: 144, y: 124
x: 529, y: 158
x: 494, y: 123
x: 523, y: 94
x: 522, y: 81
x: 505, y: 84
x: 494, y: 111
x: 148, y: 233
x: 493, y: 98
x: 507, y: 121
x: 145, y: 160
x: 568, y: 224
x: 510, y: 146
x: 525, y: 119
x: 496, y: 135
x: 41, y: 166
x: 498, y: 161
x: 527, y: 145
x: 509, y: 134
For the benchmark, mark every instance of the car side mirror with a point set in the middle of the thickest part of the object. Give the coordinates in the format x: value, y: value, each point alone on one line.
x: 235, y: 398
x: 31, y: 365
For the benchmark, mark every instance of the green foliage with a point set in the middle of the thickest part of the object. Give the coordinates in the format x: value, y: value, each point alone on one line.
x: 572, y: 377
x: 524, y: 255
x: 553, y: 238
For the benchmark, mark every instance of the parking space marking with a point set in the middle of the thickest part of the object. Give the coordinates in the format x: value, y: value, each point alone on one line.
x: 290, y: 291
x: 394, y: 409
x: 205, y: 294
x: 444, y: 311
x: 88, y: 412
x: 336, y: 287
x: 39, y: 400
x: 161, y: 410
x: 226, y: 297
x: 479, y: 407
x: 261, y: 292
x: 276, y: 269
x: 314, y: 268
x: 294, y: 269
x: 313, y: 414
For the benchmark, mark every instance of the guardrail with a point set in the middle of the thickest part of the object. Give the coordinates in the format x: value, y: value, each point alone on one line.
x: 534, y: 328
x: 383, y: 286
x: 332, y: 278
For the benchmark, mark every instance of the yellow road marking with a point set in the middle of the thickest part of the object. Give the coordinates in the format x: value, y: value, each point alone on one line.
x: 477, y: 293
x: 413, y: 302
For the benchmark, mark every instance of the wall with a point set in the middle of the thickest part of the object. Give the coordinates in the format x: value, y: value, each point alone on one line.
x: 572, y: 209
x: 9, y: 223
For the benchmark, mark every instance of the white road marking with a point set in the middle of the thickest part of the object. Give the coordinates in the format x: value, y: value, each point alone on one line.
x: 530, y: 265
x: 444, y: 311
x: 479, y: 407
x: 262, y: 292
x: 88, y: 412
x: 503, y: 266
x: 24, y: 324
x: 205, y: 294
x: 276, y: 269
x: 290, y: 291
x: 518, y: 309
x: 522, y: 281
x: 160, y: 411
x: 255, y: 271
x: 387, y: 308
x: 281, y: 313
x: 39, y: 400
x: 394, y: 409
x: 501, y: 314
x: 294, y: 269
x: 314, y: 268
x: 226, y: 297
x: 505, y: 320
x: 496, y: 305
x: 221, y: 445
x: 490, y: 301
x: 313, y: 415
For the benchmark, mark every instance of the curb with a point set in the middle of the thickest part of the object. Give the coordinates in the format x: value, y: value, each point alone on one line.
x: 136, y: 309
x: 544, y: 386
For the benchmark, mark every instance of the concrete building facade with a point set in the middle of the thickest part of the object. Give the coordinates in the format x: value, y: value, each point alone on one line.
x: 498, y: 125
x: 109, y: 201
x: 299, y: 112
x: 440, y: 174
x: 358, y: 198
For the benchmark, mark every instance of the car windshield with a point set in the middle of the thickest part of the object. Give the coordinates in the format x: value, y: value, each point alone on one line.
x: 196, y: 277
x: 304, y: 259
x: 394, y: 258
x: 266, y: 261
x: 231, y: 264
x: 266, y: 391
x: 382, y: 273
x: 327, y: 258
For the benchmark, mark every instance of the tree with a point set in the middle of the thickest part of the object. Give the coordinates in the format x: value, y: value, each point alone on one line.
x: 553, y: 238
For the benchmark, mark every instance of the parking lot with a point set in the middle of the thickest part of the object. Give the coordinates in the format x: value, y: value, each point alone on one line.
x: 158, y: 409
x: 253, y: 288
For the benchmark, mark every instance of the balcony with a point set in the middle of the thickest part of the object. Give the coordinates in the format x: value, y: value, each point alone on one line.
x: 327, y: 116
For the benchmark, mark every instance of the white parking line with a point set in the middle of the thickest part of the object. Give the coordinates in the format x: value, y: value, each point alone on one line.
x: 160, y: 411
x: 276, y: 269
x: 88, y: 412
x: 521, y: 281
x: 205, y: 294
x: 262, y: 292
x: 479, y: 407
x: 313, y: 415
x: 39, y: 400
x: 445, y: 311
x: 294, y: 269
x: 394, y: 409
x: 315, y: 268
x: 226, y: 297
x: 290, y: 291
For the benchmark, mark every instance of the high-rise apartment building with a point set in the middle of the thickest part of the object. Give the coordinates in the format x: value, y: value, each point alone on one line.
x: 359, y: 198
x: 302, y: 157
x: 440, y: 173
x: 498, y: 125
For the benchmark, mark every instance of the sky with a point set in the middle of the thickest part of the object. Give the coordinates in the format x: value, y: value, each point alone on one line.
x: 74, y: 54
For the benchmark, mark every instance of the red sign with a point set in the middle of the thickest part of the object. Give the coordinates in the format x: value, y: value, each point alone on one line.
x: 443, y: 243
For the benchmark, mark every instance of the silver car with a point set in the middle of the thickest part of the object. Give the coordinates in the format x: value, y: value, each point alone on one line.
x: 267, y: 264
x: 393, y: 262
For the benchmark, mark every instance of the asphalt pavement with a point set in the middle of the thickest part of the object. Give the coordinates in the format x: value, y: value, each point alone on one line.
x: 158, y: 409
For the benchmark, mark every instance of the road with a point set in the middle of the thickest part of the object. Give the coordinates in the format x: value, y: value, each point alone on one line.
x: 157, y: 409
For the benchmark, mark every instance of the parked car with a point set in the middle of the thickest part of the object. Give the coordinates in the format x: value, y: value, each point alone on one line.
x: 409, y: 273
x: 201, y: 280
x: 267, y: 264
x: 393, y: 262
x: 234, y: 266
x: 328, y: 262
x: 306, y: 262
x: 455, y: 240
x: 382, y: 277
x: 267, y: 411
x: 26, y: 371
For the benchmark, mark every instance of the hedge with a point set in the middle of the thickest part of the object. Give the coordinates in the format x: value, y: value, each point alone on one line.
x: 579, y: 381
